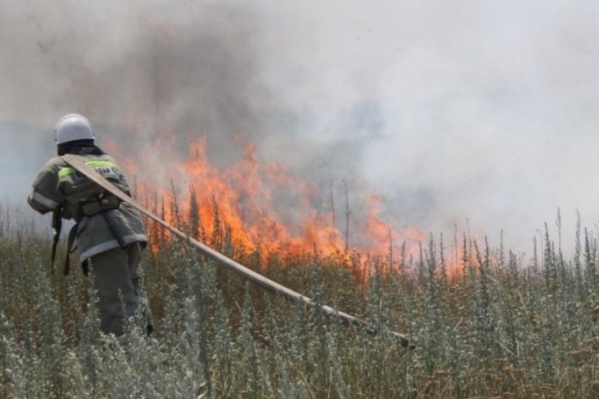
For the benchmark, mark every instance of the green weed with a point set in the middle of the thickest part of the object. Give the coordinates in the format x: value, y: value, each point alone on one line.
x: 507, y: 327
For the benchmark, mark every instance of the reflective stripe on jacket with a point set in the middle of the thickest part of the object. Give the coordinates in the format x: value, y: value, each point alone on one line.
x: 60, y: 184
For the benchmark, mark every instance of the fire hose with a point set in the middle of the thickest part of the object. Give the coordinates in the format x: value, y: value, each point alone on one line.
x: 237, y: 268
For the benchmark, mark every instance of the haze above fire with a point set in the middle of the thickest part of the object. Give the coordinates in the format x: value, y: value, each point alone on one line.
x: 454, y: 111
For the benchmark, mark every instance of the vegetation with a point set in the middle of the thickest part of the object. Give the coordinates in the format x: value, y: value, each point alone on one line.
x: 505, y: 327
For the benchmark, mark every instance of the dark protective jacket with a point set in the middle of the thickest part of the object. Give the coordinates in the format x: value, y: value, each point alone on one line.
x: 59, y: 184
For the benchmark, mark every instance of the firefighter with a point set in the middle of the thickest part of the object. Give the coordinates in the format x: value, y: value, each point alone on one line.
x: 108, y: 234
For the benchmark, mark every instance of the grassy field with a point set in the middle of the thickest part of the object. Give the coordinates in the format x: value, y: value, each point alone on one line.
x: 507, y: 327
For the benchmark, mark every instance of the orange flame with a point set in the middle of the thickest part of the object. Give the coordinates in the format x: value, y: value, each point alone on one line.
x: 260, y: 205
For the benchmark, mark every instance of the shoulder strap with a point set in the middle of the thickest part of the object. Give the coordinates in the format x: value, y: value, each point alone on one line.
x: 57, y: 226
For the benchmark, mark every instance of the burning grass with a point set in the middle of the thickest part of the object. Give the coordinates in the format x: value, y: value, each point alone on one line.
x: 504, y: 328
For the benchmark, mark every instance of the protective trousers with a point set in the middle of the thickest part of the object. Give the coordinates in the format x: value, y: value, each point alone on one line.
x: 118, y: 286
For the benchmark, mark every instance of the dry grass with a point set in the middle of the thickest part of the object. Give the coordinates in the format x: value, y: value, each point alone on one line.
x: 505, y: 329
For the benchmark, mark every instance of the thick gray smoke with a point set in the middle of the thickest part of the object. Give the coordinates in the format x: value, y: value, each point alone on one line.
x: 480, y: 115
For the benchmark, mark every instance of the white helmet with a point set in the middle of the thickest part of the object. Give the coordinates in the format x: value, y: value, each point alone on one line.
x: 73, y: 127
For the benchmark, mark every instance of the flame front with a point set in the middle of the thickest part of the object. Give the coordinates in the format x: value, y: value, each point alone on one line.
x: 260, y: 205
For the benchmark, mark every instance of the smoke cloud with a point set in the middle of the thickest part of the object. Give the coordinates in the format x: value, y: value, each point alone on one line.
x: 475, y: 115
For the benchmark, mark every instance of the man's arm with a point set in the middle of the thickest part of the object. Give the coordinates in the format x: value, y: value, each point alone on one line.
x: 45, y: 195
